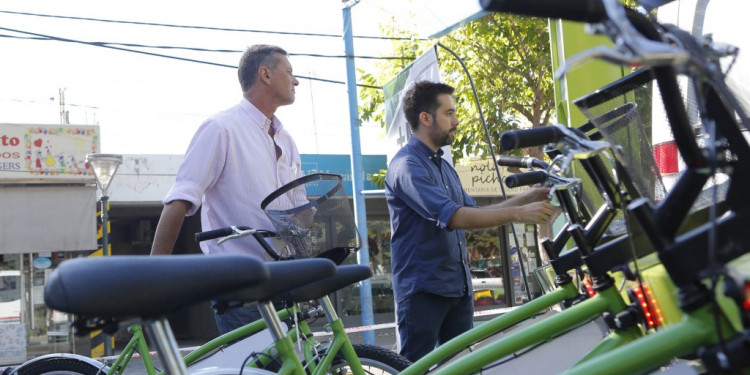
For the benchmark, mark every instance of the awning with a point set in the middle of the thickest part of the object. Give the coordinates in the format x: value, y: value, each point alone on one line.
x: 47, y: 218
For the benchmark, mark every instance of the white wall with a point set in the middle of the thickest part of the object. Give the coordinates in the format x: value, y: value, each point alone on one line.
x: 144, y: 178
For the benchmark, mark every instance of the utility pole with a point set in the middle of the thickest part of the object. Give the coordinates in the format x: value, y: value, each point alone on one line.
x: 358, y: 174
x: 64, y: 115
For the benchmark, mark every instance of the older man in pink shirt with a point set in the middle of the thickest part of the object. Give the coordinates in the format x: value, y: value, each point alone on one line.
x: 236, y: 158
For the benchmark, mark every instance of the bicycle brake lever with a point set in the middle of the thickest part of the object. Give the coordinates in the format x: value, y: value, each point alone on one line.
x: 238, y: 233
x: 632, y: 47
x: 227, y: 238
x: 654, y: 57
x: 593, y: 148
x: 599, y: 52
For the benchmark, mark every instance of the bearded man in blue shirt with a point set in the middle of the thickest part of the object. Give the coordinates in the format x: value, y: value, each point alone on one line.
x: 429, y: 211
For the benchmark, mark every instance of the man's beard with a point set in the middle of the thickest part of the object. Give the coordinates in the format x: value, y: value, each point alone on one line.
x: 444, y: 139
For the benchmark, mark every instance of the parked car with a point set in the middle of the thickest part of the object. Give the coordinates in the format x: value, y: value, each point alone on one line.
x: 382, y: 297
x: 488, y: 290
x: 10, y: 296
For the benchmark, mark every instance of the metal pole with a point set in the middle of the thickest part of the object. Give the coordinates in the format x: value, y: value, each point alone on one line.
x: 108, y: 349
x: 105, y: 225
x: 358, y: 174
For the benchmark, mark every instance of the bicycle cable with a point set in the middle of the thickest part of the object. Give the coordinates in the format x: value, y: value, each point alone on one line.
x: 257, y: 355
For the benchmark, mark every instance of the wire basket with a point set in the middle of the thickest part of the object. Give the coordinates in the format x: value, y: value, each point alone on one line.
x: 313, y: 216
x: 625, y: 112
x: 618, y: 111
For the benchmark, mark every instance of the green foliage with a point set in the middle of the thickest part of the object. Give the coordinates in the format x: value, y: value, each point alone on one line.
x: 378, y: 179
x: 509, y: 60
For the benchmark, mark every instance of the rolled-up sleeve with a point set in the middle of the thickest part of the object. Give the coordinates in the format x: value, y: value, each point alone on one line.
x: 186, y: 191
x: 202, y: 166
x: 413, y: 184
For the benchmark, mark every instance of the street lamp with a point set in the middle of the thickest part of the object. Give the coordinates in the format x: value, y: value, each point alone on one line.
x: 104, y: 167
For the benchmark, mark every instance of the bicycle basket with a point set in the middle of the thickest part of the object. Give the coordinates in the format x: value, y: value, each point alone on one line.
x: 618, y: 111
x: 313, y: 217
x: 624, y: 112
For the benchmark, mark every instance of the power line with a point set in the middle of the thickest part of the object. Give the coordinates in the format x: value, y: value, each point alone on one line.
x: 204, y: 27
x: 54, y: 38
x: 49, y: 37
x: 198, y: 49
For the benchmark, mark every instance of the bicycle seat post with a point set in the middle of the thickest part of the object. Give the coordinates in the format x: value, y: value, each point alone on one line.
x: 161, y: 333
x: 269, y: 315
x: 330, y: 312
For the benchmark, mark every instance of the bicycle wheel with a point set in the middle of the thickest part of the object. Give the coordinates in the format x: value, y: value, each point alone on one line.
x: 375, y: 360
x: 60, y: 365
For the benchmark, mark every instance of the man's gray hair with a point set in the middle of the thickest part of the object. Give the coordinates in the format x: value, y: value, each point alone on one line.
x: 256, y: 56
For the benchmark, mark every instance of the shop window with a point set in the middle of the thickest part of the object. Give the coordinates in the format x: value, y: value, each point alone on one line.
x: 486, y: 265
x: 379, y: 245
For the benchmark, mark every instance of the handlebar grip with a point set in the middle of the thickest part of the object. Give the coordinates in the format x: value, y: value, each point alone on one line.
x: 216, y: 233
x: 591, y: 11
x: 525, y: 179
x: 520, y: 161
x: 513, y: 161
x: 514, y: 139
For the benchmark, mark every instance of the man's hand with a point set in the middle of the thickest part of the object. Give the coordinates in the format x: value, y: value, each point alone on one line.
x: 536, y: 212
x: 536, y: 194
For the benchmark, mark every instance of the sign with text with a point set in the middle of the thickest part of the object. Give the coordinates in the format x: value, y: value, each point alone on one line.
x: 46, y: 152
x: 479, y: 178
x: 342, y: 165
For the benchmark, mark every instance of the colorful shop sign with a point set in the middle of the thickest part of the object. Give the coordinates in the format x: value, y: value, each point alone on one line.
x: 46, y: 152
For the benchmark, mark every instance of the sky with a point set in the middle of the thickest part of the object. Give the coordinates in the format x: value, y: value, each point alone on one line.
x: 153, y: 105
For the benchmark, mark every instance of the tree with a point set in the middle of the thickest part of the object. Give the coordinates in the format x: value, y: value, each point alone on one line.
x: 509, y: 60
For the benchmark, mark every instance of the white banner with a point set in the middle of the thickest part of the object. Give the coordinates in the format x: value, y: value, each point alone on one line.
x: 424, y: 68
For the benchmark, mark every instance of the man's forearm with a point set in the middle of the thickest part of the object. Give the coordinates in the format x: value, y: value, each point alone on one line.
x: 168, y: 229
x: 479, y: 218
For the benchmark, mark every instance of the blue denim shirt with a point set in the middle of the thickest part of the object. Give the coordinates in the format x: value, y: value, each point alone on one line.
x: 423, y: 192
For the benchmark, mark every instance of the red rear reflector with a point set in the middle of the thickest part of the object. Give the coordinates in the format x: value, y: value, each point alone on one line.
x: 666, y: 157
x: 651, y: 311
x: 746, y: 302
x: 589, y: 288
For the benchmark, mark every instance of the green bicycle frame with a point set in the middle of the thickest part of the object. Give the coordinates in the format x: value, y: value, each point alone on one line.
x: 136, y: 343
x: 284, y: 346
x: 239, y: 333
x: 283, y: 349
x: 696, y: 329
x: 565, y: 291
x: 340, y: 344
x: 606, y: 300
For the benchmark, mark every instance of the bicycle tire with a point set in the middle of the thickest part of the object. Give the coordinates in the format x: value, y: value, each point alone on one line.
x: 57, y: 365
x: 375, y: 360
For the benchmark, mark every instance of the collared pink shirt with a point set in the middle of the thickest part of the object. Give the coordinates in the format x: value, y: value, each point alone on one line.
x: 230, y: 166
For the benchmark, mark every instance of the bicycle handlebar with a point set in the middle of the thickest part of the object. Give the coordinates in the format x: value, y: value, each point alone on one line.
x: 526, y: 179
x: 216, y: 233
x: 520, y: 161
x: 234, y: 232
x: 590, y: 11
x: 514, y: 139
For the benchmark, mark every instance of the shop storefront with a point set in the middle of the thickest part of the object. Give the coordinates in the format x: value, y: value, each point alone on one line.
x: 49, y: 205
x: 29, y: 329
